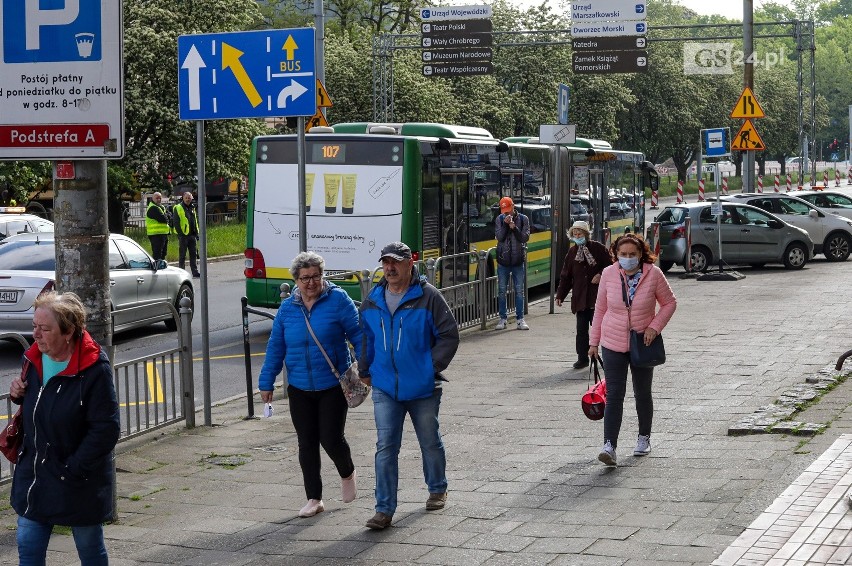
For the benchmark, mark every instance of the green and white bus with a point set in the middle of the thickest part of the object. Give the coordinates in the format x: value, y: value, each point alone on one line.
x: 434, y: 187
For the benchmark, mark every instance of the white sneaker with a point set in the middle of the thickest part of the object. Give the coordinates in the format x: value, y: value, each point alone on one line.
x: 607, y: 455
x: 643, y: 446
x: 501, y: 325
x: 522, y: 325
x: 312, y: 507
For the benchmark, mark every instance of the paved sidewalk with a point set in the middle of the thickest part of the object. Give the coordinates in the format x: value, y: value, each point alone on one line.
x: 525, y: 485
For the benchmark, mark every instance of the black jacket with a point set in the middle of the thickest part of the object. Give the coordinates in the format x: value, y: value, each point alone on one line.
x: 512, y: 243
x: 64, y: 474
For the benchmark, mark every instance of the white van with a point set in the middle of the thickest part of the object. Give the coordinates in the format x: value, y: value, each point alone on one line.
x: 831, y: 234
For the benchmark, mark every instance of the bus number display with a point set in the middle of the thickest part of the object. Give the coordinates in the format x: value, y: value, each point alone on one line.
x: 329, y: 153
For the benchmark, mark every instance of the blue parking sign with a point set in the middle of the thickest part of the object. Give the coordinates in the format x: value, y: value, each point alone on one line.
x: 52, y: 31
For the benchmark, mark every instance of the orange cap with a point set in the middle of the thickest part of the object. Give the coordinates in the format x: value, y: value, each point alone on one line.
x: 506, y: 205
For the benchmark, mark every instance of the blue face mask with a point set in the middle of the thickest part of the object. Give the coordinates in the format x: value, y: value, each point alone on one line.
x: 628, y: 263
x: 579, y: 241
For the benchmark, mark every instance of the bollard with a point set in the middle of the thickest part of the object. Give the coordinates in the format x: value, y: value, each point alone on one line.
x: 431, y: 269
x: 724, y: 186
x: 837, y: 177
x: 654, y: 199
x: 701, y: 190
x: 825, y: 179
x: 789, y: 182
x: 849, y: 177
x: 187, y: 379
x: 247, y: 356
x: 482, y: 275
x: 680, y: 192
x: 777, y: 183
x: 760, y: 183
x: 365, y: 282
x: 687, y: 224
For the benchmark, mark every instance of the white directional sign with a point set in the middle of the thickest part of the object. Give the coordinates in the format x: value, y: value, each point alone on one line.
x: 61, y: 91
x: 557, y: 133
x: 456, y: 13
x: 608, y: 10
x: 608, y: 29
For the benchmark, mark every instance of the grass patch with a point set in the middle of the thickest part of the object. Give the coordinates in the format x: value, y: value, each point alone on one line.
x: 226, y: 238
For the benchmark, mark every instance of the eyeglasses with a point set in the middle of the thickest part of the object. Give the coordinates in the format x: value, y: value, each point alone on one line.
x: 311, y: 279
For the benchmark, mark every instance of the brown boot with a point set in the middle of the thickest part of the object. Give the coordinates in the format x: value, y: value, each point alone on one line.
x: 436, y: 501
x: 379, y: 521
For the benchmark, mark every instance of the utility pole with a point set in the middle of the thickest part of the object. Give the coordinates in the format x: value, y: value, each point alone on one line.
x: 748, y: 81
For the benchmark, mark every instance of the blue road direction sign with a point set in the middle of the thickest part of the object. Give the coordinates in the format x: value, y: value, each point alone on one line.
x: 562, y: 100
x: 715, y: 142
x: 249, y: 74
x: 61, y: 79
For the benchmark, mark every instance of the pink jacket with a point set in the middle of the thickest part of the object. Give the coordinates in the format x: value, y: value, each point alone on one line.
x: 610, y: 326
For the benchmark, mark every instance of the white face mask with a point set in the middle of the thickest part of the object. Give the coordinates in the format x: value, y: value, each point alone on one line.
x: 628, y: 263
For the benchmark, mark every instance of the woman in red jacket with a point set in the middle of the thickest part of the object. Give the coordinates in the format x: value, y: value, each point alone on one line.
x: 629, y: 293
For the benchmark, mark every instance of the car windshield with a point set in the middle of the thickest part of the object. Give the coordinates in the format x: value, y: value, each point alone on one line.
x: 27, y: 255
x: 790, y: 206
x: 672, y: 216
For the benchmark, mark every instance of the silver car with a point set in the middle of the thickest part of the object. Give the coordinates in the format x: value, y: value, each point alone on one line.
x: 830, y: 201
x: 749, y: 236
x: 28, y: 267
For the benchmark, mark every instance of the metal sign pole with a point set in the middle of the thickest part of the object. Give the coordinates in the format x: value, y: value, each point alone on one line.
x: 300, y: 158
x: 201, y: 211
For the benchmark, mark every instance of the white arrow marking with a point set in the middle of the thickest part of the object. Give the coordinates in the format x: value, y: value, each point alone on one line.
x: 294, y: 91
x: 194, y: 63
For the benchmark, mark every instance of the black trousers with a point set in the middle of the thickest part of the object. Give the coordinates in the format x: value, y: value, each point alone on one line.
x: 616, y: 365
x: 319, y: 418
x: 584, y: 322
x: 159, y: 245
x: 184, y: 243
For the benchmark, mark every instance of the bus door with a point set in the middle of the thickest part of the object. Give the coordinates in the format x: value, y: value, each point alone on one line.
x: 598, y: 205
x: 512, y: 184
x: 455, y: 188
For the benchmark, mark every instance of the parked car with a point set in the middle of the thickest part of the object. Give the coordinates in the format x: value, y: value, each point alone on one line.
x: 28, y: 267
x: 750, y: 236
x: 831, y: 234
x: 578, y: 210
x: 13, y: 221
x: 829, y: 201
x: 794, y: 162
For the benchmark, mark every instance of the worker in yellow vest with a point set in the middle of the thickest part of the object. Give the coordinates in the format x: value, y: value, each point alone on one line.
x: 157, y: 226
x: 185, y: 220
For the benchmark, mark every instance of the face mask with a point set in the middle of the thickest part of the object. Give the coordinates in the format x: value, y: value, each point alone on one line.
x: 579, y: 241
x: 628, y: 263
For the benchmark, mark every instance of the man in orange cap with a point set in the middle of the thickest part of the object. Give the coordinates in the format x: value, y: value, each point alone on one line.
x: 513, y: 232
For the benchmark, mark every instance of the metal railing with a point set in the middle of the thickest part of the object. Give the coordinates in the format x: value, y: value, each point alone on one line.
x: 153, y: 391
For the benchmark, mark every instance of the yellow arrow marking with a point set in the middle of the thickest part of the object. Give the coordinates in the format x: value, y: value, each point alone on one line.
x: 290, y: 47
x: 231, y: 59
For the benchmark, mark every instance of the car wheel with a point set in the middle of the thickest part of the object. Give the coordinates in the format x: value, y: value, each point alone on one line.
x: 184, y: 291
x: 701, y: 258
x: 795, y: 256
x: 836, y: 247
x: 665, y: 266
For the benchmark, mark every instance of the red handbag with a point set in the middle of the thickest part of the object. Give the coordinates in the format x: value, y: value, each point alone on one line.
x: 12, y: 436
x: 594, y: 399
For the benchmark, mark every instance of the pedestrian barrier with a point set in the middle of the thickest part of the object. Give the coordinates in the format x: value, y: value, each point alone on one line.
x: 725, y: 186
x: 760, y: 183
x: 679, y: 191
x: 777, y: 183
x: 789, y: 182
x: 701, y: 190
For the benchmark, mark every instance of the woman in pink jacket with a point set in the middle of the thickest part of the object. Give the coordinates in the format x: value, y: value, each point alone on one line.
x: 636, y: 279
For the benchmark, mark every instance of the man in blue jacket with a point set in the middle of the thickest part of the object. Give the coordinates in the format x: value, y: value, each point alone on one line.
x: 411, y: 337
x: 512, y: 230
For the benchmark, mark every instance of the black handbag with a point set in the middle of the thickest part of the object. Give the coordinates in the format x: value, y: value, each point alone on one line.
x: 642, y: 356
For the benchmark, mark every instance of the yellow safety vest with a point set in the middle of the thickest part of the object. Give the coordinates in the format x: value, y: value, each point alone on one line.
x: 183, y: 226
x: 154, y: 227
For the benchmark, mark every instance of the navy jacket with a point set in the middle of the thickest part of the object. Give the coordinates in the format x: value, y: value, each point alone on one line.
x: 512, y: 243
x: 406, y: 352
x: 334, y: 319
x: 64, y: 474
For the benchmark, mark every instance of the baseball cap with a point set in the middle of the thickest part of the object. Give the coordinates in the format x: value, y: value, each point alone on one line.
x: 506, y: 205
x: 397, y: 251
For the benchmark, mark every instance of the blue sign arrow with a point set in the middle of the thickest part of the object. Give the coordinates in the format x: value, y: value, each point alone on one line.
x: 250, y: 74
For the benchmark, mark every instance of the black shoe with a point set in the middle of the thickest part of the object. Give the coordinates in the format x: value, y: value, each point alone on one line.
x: 580, y: 364
x: 197, y: 275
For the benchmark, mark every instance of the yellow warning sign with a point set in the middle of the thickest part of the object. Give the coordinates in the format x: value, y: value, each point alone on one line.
x: 747, y: 106
x: 316, y: 120
x: 323, y: 99
x: 747, y: 139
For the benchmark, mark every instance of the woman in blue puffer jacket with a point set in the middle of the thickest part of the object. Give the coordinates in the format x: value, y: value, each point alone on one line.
x: 317, y: 405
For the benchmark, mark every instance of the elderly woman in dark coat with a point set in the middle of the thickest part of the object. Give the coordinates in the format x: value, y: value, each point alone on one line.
x: 64, y: 474
x: 581, y: 272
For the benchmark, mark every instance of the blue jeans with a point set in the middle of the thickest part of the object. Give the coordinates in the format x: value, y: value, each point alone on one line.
x: 517, y: 273
x: 33, y: 537
x: 390, y: 417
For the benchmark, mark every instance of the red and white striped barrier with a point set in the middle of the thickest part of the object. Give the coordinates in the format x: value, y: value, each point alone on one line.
x: 701, y: 190
x: 654, y: 200
x: 789, y: 182
x: 837, y: 177
x: 724, y: 185
x: 760, y: 183
x: 679, y: 191
x: 777, y: 184
x: 825, y: 179
x: 849, y: 176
